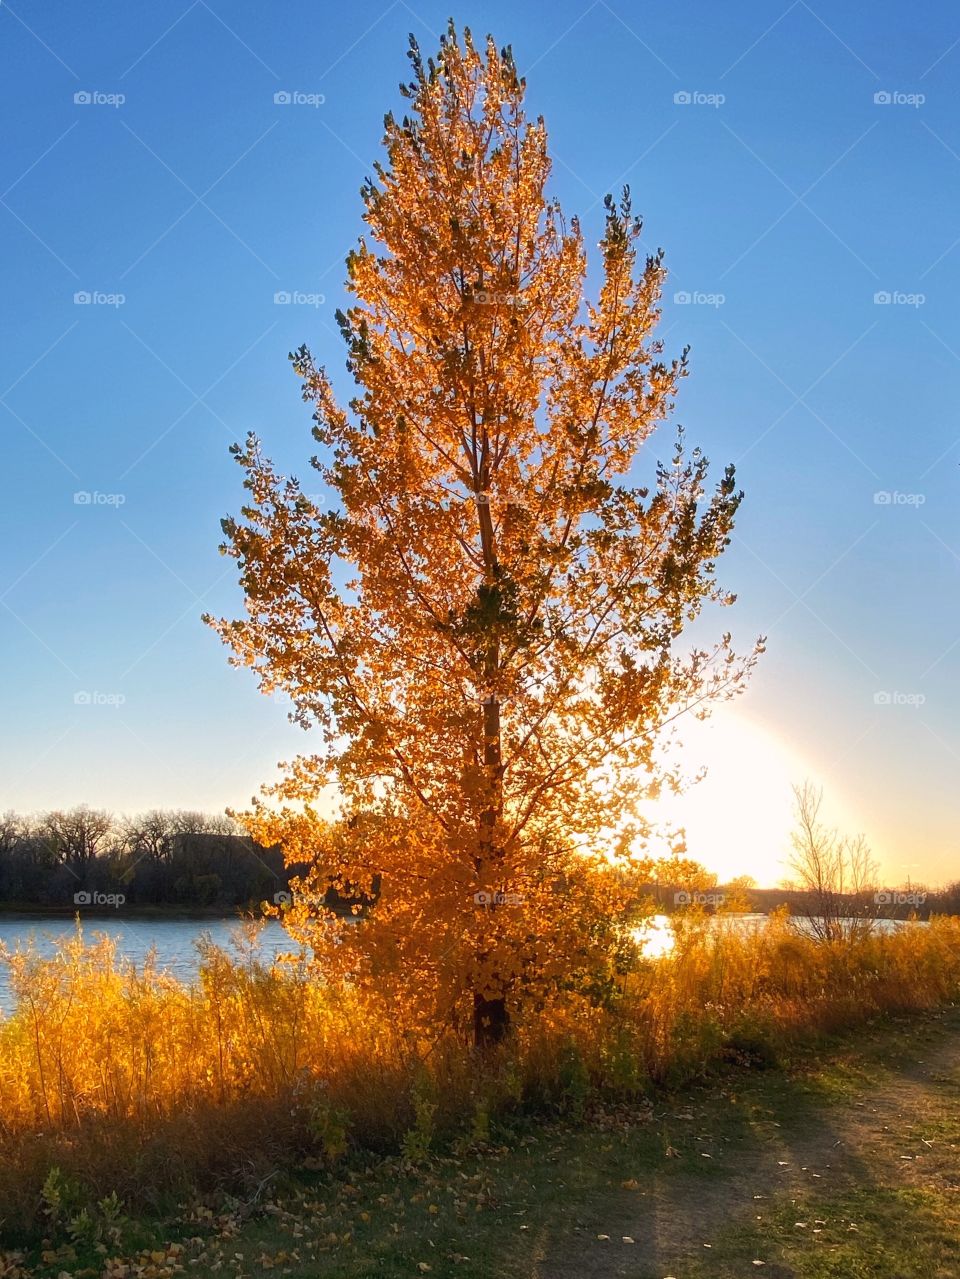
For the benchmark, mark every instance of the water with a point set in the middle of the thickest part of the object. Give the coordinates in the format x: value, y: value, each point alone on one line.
x: 656, y: 936
x: 174, y: 940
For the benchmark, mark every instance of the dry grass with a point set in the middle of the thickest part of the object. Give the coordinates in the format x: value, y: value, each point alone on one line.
x: 128, y: 1081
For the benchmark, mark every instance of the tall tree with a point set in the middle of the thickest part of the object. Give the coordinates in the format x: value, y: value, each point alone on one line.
x: 483, y: 628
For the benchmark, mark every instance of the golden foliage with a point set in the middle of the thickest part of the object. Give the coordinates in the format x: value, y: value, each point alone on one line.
x: 483, y: 630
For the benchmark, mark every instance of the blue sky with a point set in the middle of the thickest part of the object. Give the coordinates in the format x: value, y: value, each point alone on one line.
x: 787, y: 198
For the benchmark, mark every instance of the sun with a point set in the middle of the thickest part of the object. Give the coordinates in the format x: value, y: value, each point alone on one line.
x: 738, y: 818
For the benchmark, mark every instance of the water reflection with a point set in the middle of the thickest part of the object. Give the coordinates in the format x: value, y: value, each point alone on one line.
x: 656, y: 938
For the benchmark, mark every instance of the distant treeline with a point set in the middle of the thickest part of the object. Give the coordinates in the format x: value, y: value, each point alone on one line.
x: 886, y: 903
x: 85, y: 857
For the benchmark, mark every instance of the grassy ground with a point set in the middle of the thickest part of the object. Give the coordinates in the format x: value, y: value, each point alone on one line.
x: 845, y: 1164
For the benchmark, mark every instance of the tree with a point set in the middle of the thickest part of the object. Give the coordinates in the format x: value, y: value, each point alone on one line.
x: 484, y: 627
x: 149, y: 836
x: 837, y: 873
x: 13, y: 830
x: 76, y: 836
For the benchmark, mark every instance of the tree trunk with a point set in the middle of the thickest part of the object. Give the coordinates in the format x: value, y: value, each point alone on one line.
x: 490, y: 1017
x: 491, y: 1021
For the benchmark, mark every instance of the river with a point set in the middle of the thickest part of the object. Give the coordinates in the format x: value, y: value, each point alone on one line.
x: 174, y: 940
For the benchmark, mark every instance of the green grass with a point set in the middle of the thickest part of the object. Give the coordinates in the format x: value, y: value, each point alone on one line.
x: 696, y: 1167
x: 874, y: 1233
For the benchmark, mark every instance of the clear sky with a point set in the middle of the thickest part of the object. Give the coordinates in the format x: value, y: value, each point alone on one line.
x: 787, y: 197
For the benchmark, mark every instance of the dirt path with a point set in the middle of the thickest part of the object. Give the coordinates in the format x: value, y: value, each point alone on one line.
x: 846, y: 1165
x: 891, y: 1135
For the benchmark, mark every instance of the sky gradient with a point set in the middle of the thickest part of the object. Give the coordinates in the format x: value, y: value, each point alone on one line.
x: 799, y: 165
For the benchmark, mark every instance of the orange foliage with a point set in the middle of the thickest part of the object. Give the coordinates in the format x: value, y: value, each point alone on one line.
x: 483, y: 630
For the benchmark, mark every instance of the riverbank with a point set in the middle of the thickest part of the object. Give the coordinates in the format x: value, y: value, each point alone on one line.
x: 129, y: 910
x: 133, y: 910
x: 843, y: 1162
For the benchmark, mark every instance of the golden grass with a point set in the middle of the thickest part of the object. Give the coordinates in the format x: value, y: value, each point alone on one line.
x: 128, y: 1081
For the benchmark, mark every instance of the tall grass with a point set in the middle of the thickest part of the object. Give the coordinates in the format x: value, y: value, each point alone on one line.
x: 127, y: 1081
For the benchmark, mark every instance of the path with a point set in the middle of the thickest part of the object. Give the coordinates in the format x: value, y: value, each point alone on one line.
x: 890, y: 1142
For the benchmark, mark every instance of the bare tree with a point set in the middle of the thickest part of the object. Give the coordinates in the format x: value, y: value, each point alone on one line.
x: 189, y: 822
x: 836, y: 873
x: 149, y: 835
x: 13, y: 829
x: 76, y: 836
